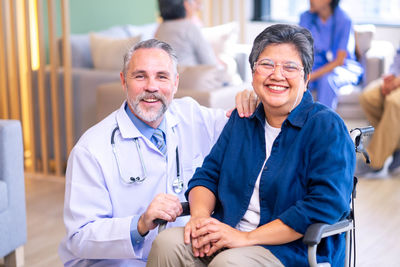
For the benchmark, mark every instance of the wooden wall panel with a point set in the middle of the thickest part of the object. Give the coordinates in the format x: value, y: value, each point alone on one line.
x: 26, y: 90
x: 4, y: 109
x: 41, y: 84
x: 54, y: 83
x: 12, y: 71
x: 68, y: 92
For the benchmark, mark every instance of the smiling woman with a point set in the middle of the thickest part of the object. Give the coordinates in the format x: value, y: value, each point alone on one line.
x: 279, y: 91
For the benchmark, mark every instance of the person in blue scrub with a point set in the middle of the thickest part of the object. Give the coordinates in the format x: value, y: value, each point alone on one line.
x: 335, y: 63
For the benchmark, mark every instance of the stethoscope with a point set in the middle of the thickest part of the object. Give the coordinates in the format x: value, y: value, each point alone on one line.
x: 177, y: 183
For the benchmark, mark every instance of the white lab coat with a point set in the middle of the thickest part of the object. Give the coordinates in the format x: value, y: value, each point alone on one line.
x: 99, y: 206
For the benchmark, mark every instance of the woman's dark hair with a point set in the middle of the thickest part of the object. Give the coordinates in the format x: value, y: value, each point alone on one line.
x: 172, y: 9
x: 286, y: 34
x: 334, y: 4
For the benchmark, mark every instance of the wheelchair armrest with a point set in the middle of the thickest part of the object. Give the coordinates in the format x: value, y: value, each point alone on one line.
x: 186, y: 211
x: 317, y: 231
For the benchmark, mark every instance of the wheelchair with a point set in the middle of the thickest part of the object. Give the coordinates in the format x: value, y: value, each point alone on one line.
x: 317, y: 231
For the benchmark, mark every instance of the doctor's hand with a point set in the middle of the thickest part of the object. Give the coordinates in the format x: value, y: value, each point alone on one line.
x: 246, y: 102
x: 163, y: 206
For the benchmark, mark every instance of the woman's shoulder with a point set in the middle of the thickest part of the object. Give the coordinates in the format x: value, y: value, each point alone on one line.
x: 306, y: 16
x: 323, y: 115
x: 341, y: 15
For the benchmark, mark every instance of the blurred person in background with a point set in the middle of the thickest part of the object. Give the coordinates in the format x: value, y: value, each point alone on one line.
x: 185, y: 36
x: 380, y: 101
x: 335, y: 63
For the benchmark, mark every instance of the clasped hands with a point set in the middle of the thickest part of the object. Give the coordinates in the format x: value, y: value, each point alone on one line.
x: 208, y: 235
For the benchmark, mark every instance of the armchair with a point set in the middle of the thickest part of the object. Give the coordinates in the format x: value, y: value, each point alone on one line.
x: 12, y: 194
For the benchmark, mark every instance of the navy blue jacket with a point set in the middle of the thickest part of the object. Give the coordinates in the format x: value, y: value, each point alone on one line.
x: 307, y: 179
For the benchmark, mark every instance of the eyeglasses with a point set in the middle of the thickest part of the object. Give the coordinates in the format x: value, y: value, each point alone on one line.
x: 266, y: 67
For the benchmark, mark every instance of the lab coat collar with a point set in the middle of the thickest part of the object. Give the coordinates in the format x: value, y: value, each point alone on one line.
x: 125, y: 124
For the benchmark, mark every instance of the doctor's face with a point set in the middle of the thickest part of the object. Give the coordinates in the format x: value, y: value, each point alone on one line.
x: 151, y: 83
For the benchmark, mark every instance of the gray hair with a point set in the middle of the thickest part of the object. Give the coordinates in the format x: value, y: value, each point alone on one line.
x: 286, y: 34
x: 151, y: 43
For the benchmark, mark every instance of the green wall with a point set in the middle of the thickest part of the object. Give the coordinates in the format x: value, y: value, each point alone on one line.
x: 94, y: 15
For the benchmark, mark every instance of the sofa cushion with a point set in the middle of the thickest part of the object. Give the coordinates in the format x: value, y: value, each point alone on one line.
x: 108, y: 53
x: 80, y: 46
x: 223, y: 39
x: 364, y: 34
x: 201, y: 77
x: 80, y: 51
x: 147, y: 31
x: 3, y: 196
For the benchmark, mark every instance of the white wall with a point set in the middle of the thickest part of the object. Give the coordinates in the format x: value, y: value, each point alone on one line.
x: 391, y: 34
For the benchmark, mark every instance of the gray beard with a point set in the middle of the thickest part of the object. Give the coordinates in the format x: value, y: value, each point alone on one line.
x: 150, y: 115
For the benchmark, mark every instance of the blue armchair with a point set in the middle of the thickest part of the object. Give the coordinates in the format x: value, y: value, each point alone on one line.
x: 12, y: 194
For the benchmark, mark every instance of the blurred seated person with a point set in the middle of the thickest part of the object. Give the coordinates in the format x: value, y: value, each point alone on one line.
x: 381, y: 103
x: 335, y: 63
x: 271, y: 175
x: 185, y: 37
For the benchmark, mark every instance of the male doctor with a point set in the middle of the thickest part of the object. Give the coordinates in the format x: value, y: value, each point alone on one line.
x: 133, y: 166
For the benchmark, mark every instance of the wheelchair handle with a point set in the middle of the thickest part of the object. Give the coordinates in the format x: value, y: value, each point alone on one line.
x: 357, y: 135
x: 185, y: 212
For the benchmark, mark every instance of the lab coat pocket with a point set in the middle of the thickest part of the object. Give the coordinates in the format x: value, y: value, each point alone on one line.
x: 190, y: 166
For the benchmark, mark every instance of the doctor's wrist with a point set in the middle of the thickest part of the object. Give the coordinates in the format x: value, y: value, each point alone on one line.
x: 141, y: 227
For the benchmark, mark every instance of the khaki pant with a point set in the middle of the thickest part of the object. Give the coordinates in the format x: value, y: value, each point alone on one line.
x: 384, y: 114
x: 169, y: 250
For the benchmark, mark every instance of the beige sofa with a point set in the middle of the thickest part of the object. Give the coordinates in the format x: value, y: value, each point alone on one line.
x: 376, y: 57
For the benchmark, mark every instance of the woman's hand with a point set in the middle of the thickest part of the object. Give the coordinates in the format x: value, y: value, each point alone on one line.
x: 328, y: 67
x: 212, y: 235
x: 191, y: 234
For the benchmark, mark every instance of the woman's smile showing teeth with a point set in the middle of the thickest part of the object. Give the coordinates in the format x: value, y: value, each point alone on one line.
x: 277, y: 88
